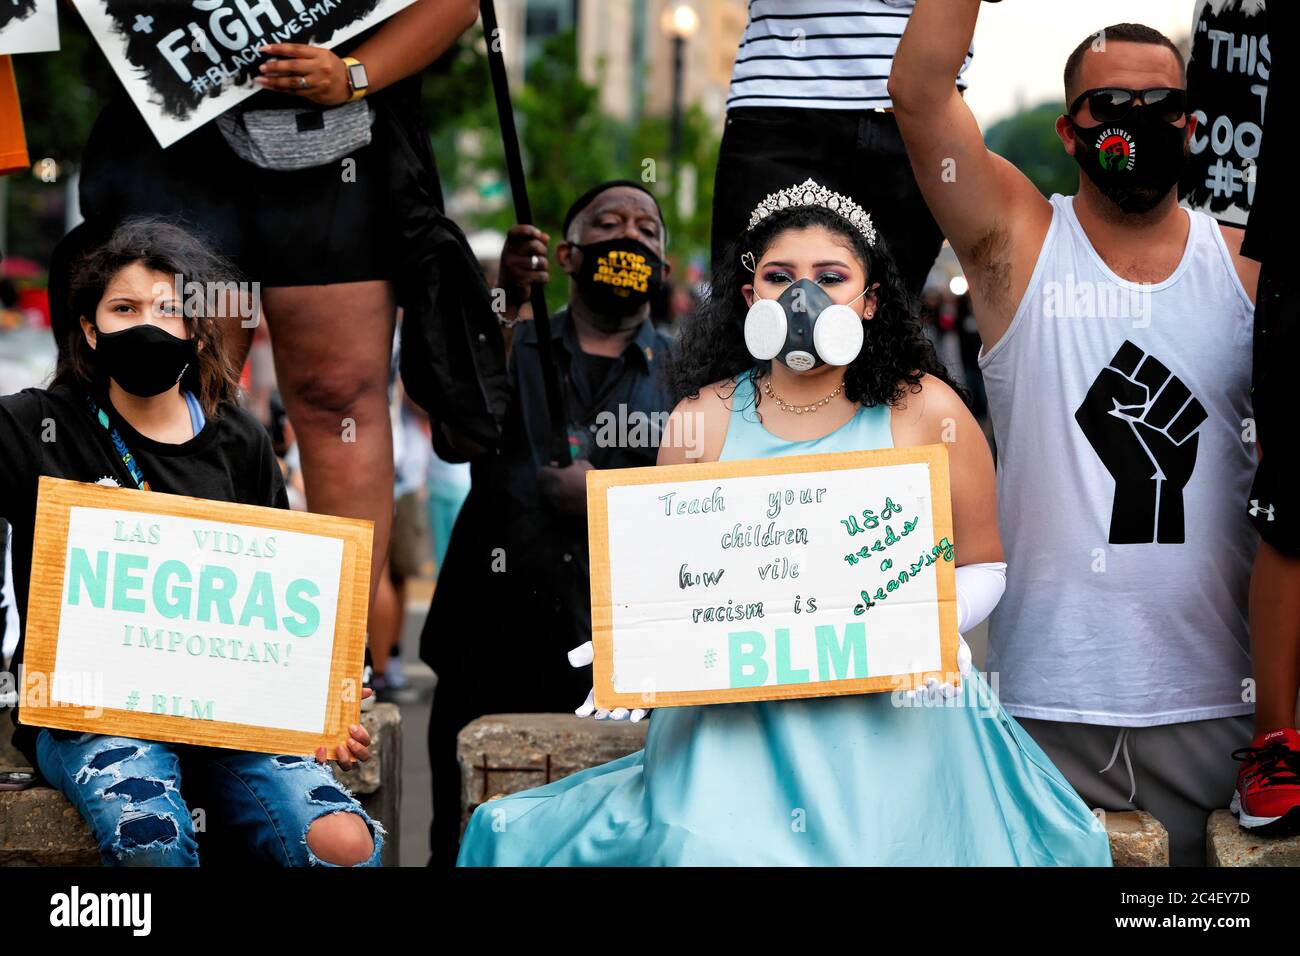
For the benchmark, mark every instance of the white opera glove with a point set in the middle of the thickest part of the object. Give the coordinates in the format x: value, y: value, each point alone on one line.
x: 979, y: 588
x: 581, y: 656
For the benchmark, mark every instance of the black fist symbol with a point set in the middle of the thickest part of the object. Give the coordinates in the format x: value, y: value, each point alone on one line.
x: 1141, y: 420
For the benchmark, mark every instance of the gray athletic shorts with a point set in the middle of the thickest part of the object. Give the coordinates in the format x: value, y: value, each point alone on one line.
x: 1179, y: 773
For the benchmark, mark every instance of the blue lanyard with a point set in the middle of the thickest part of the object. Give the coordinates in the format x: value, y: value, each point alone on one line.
x: 127, y: 458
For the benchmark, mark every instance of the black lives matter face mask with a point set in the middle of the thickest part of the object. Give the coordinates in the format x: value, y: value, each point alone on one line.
x: 144, y: 359
x: 618, y: 276
x: 1136, y: 161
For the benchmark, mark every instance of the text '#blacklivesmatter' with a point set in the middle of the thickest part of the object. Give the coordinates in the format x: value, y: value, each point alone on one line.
x: 12, y: 10
x: 189, y: 51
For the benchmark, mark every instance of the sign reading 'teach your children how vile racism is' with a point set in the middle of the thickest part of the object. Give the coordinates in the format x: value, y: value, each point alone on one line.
x: 172, y: 618
x: 804, y: 576
x: 185, y: 62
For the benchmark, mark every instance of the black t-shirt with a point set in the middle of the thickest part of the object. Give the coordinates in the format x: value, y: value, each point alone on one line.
x: 52, y: 432
x: 594, y: 369
x: 1274, y: 502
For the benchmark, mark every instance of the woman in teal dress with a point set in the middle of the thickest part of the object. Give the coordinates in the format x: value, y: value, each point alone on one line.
x: 941, y: 779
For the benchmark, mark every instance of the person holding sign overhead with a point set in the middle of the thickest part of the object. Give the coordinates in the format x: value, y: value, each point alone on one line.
x: 809, y: 345
x: 144, y: 397
x: 306, y: 186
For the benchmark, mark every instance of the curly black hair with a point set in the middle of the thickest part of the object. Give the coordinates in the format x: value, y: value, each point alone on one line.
x: 895, y: 355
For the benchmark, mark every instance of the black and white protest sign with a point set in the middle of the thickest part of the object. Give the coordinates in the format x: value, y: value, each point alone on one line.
x: 185, y: 62
x: 28, y: 26
x: 1227, y: 82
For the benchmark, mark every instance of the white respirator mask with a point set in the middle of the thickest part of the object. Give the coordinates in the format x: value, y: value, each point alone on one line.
x: 804, y: 328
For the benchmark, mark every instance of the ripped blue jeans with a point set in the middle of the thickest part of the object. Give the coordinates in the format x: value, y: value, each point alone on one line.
x: 129, y: 791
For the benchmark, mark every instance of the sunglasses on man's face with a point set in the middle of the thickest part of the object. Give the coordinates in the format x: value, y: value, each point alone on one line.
x: 1109, y: 104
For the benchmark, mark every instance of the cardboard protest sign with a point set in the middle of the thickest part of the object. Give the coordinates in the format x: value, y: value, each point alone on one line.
x: 805, y: 576
x: 185, y: 63
x: 1227, y: 82
x: 29, y: 26
x: 201, y: 622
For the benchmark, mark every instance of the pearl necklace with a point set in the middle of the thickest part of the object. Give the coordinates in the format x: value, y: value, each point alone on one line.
x: 798, y: 409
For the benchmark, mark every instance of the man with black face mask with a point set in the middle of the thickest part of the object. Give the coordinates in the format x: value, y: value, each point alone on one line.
x: 1116, y: 330
x: 513, y: 595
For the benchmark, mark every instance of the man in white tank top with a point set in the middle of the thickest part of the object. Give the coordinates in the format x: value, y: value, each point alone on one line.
x: 1116, y: 330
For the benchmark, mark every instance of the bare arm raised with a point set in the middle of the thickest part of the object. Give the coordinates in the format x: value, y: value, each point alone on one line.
x: 993, y: 216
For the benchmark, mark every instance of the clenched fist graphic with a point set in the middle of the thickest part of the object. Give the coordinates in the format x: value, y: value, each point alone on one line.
x: 1141, y: 420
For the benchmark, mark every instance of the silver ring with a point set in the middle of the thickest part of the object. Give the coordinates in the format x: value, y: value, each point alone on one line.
x: 534, y: 263
x: 302, y: 82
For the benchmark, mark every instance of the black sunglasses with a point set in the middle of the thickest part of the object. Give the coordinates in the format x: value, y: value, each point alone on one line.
x: 1109, y: 104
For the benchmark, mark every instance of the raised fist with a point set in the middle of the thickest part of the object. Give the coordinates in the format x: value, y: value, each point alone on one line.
x: 1141, y: 420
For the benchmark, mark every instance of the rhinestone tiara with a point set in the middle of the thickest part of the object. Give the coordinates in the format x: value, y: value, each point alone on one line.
x: 809, y: 193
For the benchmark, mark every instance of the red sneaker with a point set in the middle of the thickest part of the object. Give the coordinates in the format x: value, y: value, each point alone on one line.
x: 1267, y: 798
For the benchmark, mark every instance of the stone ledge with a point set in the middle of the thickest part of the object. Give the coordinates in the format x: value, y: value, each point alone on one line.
x: 1136, y: 839
x: 38, y: 827
x: 1227, y: 844
x: 501, y: 754
x: 384, y: 724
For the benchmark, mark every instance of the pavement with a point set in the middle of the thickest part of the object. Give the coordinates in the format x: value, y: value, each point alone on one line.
x: 417, y: 802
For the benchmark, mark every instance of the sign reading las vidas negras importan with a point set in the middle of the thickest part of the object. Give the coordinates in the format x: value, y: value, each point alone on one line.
x: 173, y: 618
x: 185, y: 62
x: 805, y: 576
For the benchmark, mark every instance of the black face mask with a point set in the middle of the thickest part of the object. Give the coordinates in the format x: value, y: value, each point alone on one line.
x: 144, y: 359
x: 618, y: 276
x: 1134, y: 161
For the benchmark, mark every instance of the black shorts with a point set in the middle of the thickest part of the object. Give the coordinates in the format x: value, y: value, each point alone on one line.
x: 307, y: 227
x: 858, y: 153
x: 1274, y: 505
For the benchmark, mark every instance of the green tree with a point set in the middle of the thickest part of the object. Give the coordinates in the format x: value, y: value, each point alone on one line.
x: 689, y: 234
x: 568, y: 145
x: 1029, y: 142
x: 568, y: 142
x: 61, y: 94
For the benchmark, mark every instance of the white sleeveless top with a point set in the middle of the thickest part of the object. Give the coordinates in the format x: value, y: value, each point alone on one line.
x: 1125, y: 459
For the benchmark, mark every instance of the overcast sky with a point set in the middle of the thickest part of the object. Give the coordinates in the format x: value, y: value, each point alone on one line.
x: 1021, y: 45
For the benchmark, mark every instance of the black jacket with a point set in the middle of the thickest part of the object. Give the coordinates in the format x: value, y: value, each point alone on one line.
x: 515, y: 585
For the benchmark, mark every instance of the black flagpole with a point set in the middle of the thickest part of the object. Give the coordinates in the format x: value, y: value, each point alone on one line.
x: 524, y: 214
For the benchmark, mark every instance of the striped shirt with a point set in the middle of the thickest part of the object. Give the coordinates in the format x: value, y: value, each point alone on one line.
x: 820, y: 54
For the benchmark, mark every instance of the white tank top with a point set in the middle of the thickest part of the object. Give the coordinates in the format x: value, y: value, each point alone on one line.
x: 1125, y: 458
